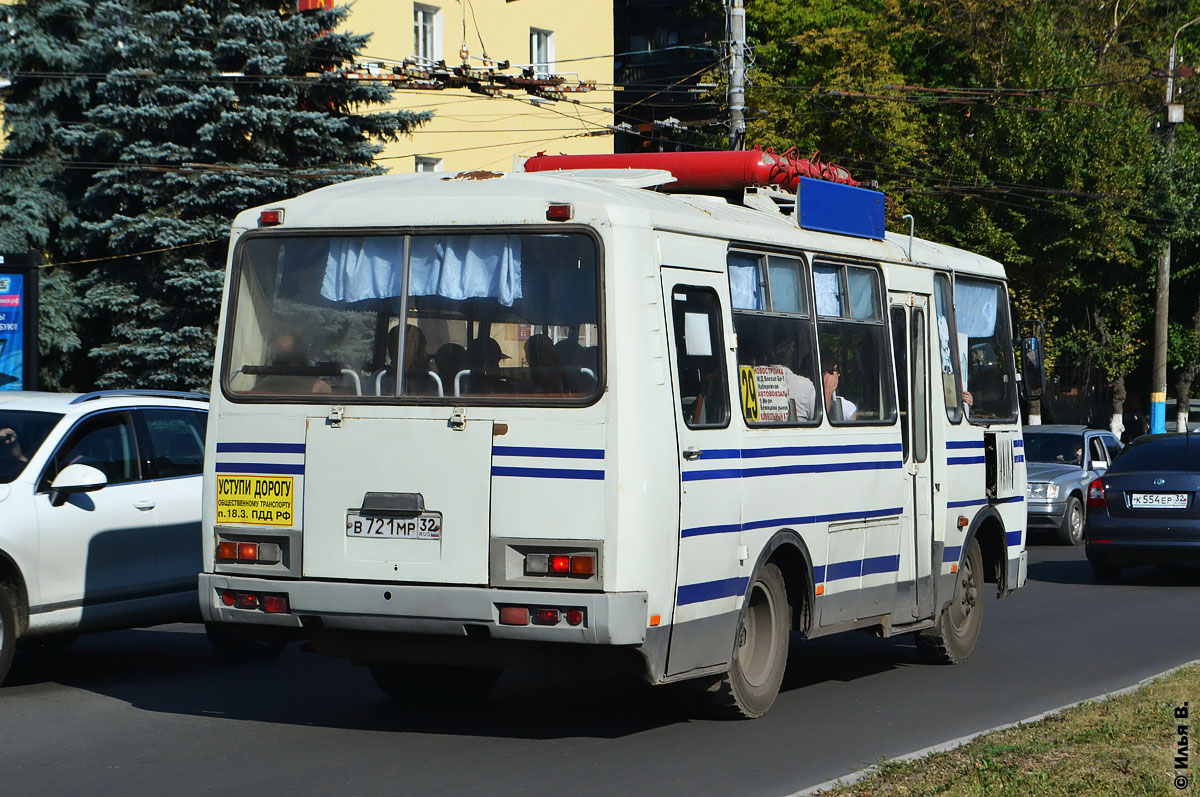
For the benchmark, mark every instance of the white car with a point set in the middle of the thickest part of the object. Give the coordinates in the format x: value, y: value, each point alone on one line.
x: 99, y: 513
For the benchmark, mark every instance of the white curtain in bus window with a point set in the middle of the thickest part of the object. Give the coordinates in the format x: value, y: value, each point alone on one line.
x: 453, y: 266
x: 828, y: 284
x: 745, y: 282
x: 786, y: 294
x: 864, y: 304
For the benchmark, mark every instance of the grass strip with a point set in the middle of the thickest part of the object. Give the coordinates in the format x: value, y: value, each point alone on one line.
x: 1126, y: 745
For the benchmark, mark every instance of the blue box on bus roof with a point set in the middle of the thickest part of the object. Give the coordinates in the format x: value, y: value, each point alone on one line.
x: 823, y: 206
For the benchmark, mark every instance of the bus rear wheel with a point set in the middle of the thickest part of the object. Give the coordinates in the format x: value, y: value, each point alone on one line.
x: 953, y: 639
x: 760, y: 650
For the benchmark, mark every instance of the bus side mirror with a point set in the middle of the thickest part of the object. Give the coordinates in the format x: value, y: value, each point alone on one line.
x: 1030, y: 362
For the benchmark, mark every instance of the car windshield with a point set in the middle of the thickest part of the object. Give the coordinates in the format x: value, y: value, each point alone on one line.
x: 1166, y: 453
x: 1066, y: 449
x: 21, y: 434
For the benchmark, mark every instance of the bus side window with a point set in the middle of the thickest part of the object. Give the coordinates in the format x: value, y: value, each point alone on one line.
x: 775, y: 340
x: 947, y: 344
x: 856, y: 377
x: 703, y: 398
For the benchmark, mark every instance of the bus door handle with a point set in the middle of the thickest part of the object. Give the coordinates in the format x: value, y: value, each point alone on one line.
x: 691, y: 453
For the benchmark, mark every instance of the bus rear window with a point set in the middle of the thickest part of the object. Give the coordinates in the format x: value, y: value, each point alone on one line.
x: 491, y: 316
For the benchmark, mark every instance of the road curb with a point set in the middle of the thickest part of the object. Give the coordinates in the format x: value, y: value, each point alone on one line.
x: 941, y: 747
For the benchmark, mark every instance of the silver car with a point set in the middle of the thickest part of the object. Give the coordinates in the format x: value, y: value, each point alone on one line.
x: 1060, y: 461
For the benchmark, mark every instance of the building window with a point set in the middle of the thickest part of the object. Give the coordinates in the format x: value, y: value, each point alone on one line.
x: 427, y: 33
x: 541, y: 51
x: 428, y: 164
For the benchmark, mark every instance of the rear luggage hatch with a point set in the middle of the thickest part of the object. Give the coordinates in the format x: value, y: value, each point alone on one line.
x: 397, y: 500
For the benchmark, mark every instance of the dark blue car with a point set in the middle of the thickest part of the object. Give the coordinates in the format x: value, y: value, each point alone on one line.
x: 1144, y: 509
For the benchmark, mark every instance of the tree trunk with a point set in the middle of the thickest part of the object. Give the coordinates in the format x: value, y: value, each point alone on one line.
x: 1183, y: 387
x: 1118, y: 425
x: 1035, y: 412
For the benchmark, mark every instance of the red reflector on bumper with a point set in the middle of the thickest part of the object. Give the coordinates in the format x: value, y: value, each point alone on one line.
x: 275, y: 604
x: 574, y: 617
x: 228, y: 597
x: 546, y: 615
x: 247, y: 600
x: 514, y: 615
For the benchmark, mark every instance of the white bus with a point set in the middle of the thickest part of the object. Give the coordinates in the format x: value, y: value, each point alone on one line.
x: 630, y: 427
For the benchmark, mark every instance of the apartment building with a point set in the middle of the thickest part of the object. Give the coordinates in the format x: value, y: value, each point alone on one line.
x: 473, y: 131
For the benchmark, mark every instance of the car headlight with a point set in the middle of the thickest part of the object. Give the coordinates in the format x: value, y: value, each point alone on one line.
x: 1042, y: 490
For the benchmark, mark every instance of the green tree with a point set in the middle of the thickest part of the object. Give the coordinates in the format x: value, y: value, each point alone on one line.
x: 205, y: 109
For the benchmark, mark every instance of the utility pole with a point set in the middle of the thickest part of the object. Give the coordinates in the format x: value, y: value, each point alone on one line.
x: 737, y: 74
x: 1162, y: 282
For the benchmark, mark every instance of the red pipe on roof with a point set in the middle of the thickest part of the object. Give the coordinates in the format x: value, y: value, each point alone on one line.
x: 706, y: 171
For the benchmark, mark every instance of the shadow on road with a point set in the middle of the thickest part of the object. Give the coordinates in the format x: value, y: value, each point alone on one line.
x: 1078, y: 571
x: 175, y: 672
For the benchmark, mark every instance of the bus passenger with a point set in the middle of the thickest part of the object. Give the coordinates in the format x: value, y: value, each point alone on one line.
x: 802, y: 393
x: 543, y: 364
x: 839, y: 407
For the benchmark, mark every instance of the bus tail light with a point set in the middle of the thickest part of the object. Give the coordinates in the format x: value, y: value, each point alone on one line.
x: 583, y: 565
x: 263, y: 553
x: 574, y: 616
x: 550, y: 616
x: 1095, y: 493
x: 247, y: 600
x: 227, y: 551
x: 560, y: 563
x: 276, y: 604
x: 514, y: 615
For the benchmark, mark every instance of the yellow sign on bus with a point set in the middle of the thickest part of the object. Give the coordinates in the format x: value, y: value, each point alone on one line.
x: 256, y: 500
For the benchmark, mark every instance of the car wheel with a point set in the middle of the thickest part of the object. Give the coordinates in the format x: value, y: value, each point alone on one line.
x: 424, y: 684
x: 760, y: 650
x: 8, y: 631
x: 236, y: 648
x: 1103, y: 571
x: 1071, y: 530
x: 953, y: 639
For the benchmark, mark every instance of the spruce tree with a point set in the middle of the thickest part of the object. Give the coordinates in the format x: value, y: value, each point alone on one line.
x: 48, y: 57
x: 206, y: 108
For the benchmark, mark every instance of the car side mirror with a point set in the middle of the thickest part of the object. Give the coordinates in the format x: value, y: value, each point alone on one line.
x: 77, y: 478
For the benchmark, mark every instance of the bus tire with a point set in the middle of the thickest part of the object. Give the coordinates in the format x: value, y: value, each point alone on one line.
x: 953, y: 639
x: 1071, y: 530
x: 424, y: 684
x: 8, y: 631
x: 760, y: 650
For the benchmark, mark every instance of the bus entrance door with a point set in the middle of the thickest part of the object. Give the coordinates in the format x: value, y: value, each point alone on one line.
x: 709, y: 588
x: 910, y: 343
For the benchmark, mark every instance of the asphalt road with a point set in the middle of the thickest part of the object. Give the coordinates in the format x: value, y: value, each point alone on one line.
x: 153, y: 711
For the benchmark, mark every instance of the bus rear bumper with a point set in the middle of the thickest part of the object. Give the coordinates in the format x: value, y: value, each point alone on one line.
x: 613, y: 618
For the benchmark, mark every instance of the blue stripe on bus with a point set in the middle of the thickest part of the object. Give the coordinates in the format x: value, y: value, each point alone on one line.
x: 1014, y: 537
x: 965, y: 460
x: 711, y: 590
x: 881, y: 564
x: 720, y: 453
x: 836, y: 571
x: 750, y: 473
x: 260, y: 448
x: 548, y: 473
x: 971, y: 502
x: 1018, y: 458
x: 1018, y: 443
x: 802, y: 520
x: 1016, y: 499
x: 951, y: 553
x: 549, y: 453
x: 259, y: 467
x: 964, y: 444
